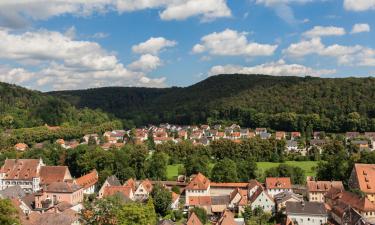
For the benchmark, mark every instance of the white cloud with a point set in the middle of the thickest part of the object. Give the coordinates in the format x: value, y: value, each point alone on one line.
x: 232, y: 43
x: 18, y: 13
x: 359, y: 5
x: 209, y: 9
x: 60, y: 62
x: 279, y: 68
x: 360, y: 27
x: 146, y: 63
x: 100, y: 35
x: 153, y: 46
x: 345, y: 55
x: 319, y: 31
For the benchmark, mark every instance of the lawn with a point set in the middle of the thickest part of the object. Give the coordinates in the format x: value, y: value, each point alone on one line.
x: 307, y: 166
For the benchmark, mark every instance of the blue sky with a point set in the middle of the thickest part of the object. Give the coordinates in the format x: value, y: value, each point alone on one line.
x: 47, y: 45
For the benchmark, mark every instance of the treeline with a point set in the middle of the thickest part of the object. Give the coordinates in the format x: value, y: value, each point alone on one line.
x: 280, y: 103
x: 39, y: 134
x: 23, y: 108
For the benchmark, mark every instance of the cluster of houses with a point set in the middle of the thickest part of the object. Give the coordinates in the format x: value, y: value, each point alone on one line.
x: 205, y: 134
x: 50, y: 195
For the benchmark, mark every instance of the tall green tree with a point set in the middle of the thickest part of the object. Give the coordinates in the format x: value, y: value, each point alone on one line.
x: 8, y: 213
x: 162, y: 199
x: 224, y: 171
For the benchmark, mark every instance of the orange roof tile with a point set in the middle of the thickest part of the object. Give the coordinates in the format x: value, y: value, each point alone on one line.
x: 24, y: 169
x: 199, y: 182
x: 130, y: 183
x: 278, y: 182
x: 229, y: 185
x: 112, y: 190
x: 365, y: 174
x: 88, y: 180
x: 323, y: 186
x: 227, y: 218
x: 147, y: 185
x: 199, y: 201
x: 193, y: 220
x: 50, y: 174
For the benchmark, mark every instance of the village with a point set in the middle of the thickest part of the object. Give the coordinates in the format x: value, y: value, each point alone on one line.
x: 51, y: 195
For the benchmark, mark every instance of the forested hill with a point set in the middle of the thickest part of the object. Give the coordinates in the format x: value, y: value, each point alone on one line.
x: 20, y: 108
x: 281, y: 103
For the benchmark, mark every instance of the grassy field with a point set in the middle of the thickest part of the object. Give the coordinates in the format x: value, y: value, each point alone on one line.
x: 307, y: 166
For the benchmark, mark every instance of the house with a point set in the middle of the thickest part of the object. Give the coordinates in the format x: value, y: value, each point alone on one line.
x: 131, y: 183
x: 307, y: 213
x: 276, y: 185
x: 110, y: 181
x: 166, y: 222
x: 175, y: 205
x: 282, y: 198
x: 339, y: 200
x: 12, y: 192
x: 363, y: 178
x: 235, y: 135
x: 371, y: 136
x: 88, y: 182
x: 244, y: 133
x: 22, y: 172
x: 95, y: 137
x: 219, y: 204
x: 260, y: 198
x: 201, y: 202
x: 21, y: 147
x: 227, y: 218
x: 258, y: 131
x: 205, y: 127
x: 238, y: 200
x: 361, y: 144
x: 125, y: 192
x: 183, y: 134
x: 144, y: 190
x: 50, y: 174
x: 198, y: 186
x: 295, y: 135
x: 58, y: 192
x: 265, y: 135
x: 291, y: 145
x: 279, y: 135
x: 317, y: 189
x: 193, y: 220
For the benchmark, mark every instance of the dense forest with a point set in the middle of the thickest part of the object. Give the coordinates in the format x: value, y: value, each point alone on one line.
x: 22, y: 108
x: 280, y: 103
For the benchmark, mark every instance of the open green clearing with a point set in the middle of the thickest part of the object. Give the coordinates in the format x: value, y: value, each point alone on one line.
x: 307, y: 166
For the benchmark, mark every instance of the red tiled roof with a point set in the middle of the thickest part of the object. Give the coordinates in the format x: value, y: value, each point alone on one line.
x: 130, y: 183
x: 112, y: 190
x: 323, y: 186
x: 258, y: 192
x: 50, y: 174
x: 62, y: 187
x: 88, y: 180
x: 199, y: 201
x: 278, y: 182
x: 21, y: 146
x: 193, y: 220
x: 229, y: 185
x: 343, y: 198
x: 227, y: 218
x: 365, y: 174
x: 147, y: 185
x: 243, y: 193
x: 199, y: 182
x: 24, y: 169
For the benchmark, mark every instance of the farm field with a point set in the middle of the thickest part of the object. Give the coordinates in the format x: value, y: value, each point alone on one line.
x: 307, y: 166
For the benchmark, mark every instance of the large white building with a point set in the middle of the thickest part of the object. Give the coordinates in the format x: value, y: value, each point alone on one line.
x: 21, y: 172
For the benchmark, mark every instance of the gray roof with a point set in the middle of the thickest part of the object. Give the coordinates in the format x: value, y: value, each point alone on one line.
x: 306, y: 208
x: 166, y: 222
x: 317, y: 142
x: 113, y: 181
x: 220, y: 200
x: 285, y: 195
x: 12, y: 192
x: 265, y: 135
x: 291, y: 143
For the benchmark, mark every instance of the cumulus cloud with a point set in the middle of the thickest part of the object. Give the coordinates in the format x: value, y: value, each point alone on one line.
x: 319, y: 31
x: 359, y: 5
x: 209, y: 9
x: 360, y: 27
x: 153, y: 46
x: 146, y: 63
x: 61, y: 62
x: 345, y: 55
x: 18, y: 13
x: 232, y: 43
x: 279, y: 68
